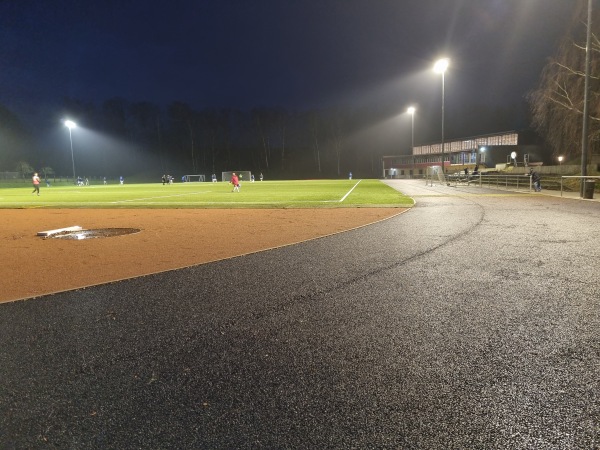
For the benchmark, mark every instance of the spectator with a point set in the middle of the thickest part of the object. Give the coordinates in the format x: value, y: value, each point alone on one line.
x: 535, y: 177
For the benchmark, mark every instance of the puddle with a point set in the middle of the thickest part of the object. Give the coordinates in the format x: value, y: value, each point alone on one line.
x: 92, y: 234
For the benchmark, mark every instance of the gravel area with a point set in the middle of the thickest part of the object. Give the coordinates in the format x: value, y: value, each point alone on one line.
x: 471, y: 321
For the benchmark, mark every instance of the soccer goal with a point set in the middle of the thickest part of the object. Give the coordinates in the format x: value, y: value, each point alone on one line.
x: 243, y: 175
x: 194, y: 178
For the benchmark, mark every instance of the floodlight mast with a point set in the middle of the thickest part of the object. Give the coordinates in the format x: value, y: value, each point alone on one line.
x: 440, y: 66
x: 70, y: 125
x: 411, y: 110
x: 586, y: 92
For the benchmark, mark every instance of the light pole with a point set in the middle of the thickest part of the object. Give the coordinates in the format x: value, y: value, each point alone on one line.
x: 440, y: 67
x: 479, y: 157
x: 70, y: 125
x: 411, y: 110
x: 560, y: 160
x: 586, y: 92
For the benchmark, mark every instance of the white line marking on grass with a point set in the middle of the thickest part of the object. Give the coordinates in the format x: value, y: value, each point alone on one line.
x: 162, y: 196
x: 348, y: 193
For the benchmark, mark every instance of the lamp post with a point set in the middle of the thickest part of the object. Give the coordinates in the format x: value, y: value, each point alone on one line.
x: 70, y: 125
x: 586, y: 92
x: 479, y: 156
x: 560, y: 160
x: 411, y: 110
x: 440, y: 67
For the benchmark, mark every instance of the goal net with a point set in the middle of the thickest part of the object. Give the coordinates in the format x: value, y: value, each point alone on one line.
x: 434, y: 172
x: 243, y: 175
x: 193, y: 178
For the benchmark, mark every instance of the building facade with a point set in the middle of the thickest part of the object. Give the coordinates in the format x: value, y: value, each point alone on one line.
x: 482, y: 152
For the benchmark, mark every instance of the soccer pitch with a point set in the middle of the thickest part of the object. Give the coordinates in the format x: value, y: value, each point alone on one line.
x: 260, y: 194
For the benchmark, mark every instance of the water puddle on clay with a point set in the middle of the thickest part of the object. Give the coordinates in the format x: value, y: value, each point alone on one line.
x: 92, y: 234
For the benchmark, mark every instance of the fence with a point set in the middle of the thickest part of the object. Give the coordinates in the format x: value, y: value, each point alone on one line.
x: 517, y: 182
x: 582, y: 178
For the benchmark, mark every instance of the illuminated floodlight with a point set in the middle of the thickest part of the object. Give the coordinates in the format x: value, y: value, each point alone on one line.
x: 411, y: 110
x: 441, y: 65
x: 70, y: 124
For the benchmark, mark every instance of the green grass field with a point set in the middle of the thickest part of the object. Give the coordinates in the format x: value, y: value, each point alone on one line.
x: 265, y: 194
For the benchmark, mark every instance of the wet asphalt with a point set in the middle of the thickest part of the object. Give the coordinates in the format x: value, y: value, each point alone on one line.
x: 470, y: 322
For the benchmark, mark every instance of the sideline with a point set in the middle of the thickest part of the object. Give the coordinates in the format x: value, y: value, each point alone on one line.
x: 348, y: 193
x: 154, y: 198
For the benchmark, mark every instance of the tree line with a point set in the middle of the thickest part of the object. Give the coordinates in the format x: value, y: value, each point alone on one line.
x: 122, y: 137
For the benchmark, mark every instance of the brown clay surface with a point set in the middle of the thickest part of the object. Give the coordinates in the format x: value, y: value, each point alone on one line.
x: 170, y: 238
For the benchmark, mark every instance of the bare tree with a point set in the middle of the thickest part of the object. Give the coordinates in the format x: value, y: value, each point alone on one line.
x: 147, y: 125
x: 115, y: 115
x: 262, y: 122
x: 314, y: 126
x: 281, y: 119
x: 24, y: 168
x: 184, y: 114
x: 47, y: 171
x: 336, y: 123
x: 557, y: 104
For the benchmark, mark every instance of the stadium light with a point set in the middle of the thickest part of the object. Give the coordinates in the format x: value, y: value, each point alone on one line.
x: 440, y: 66
x: 411, y: 110
x: 70, y: 125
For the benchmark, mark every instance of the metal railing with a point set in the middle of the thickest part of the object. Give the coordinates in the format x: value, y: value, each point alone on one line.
x: 582, y: 178
x: 514, y: 182
x: 492, y: 180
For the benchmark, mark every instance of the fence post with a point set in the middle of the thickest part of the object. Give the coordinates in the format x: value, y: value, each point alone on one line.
x: 561, y: 179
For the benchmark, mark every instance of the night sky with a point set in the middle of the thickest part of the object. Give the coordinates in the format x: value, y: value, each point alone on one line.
x: 297, y: 54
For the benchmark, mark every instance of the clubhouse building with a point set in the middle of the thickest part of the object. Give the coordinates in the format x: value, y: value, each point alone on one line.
x: 484, y: 152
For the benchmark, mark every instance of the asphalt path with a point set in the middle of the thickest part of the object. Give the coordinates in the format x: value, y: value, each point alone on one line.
x: 471, y: 321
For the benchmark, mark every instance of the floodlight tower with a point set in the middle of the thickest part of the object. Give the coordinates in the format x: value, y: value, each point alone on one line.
x: 411, y: 110
x: 440, y: 67
x: 70, y: 125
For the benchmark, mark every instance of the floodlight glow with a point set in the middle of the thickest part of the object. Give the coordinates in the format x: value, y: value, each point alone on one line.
x: 560, y: 159
x: 70, y: 124
x: 411, y: 110
x: 441, y: 65
x: 513, y: 155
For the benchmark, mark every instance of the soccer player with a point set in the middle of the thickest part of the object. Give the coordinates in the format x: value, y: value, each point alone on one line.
x: 36, y: 184
x: 236, y: 182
